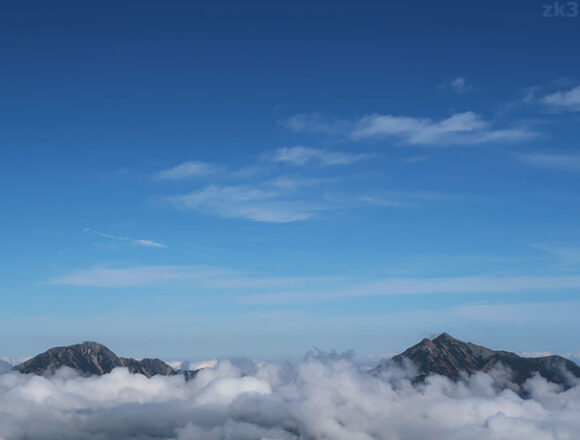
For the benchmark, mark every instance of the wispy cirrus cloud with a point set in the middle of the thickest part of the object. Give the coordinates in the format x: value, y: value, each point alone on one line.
x: 561, y: 162
x: 132, y: 241
x: 179, y: 275
x: 426, y: 286
x: 279, y: 187
x: 248, y: 202
x: 460, y: 128
x: 190, y: 169
x: 467, y: 128
x: 137, y: 276
x: 300, y: 155
x: 566, y: 256
x: 305, y: 289
x: 317, y: 123
x: 291, y: 199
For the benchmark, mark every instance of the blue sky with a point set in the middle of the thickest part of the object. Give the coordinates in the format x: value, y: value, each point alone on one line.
x: 191, y: 180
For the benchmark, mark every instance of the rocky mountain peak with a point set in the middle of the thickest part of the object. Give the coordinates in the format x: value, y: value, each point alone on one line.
x: 92, y: 358
x: 451, y: 357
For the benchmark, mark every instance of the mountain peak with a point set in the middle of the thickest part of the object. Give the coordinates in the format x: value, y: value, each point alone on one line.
x: 452, y: 357
x: 445, y: 337
x: 93, y: 345
x: 92, y: 358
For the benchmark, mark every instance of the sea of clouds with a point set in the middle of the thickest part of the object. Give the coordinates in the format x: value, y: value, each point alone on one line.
x: 321, y: 397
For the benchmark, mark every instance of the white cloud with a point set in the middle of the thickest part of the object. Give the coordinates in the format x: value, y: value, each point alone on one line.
x: 460, y: 128
x: 562, y: 162
x: 458, y: 86
x: 568, y: 100
x: 188, y: 170
x: 316, y: 123
x: 263, y: 192
x: 299, y: 155
x: 133, y: 241
x: 325, y: 396
x: 293, y: 182
x: 148, y: 243
x: 248, y: 202
x: 466, y: 128
x: 287, y: 199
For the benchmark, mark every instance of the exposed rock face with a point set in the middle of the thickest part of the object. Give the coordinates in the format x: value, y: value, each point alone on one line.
x: 148, y: 367
x: 92, y: 358
x: 450, y: 357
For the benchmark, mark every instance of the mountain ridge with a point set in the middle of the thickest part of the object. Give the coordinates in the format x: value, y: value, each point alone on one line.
x: 452, y: 358
x: 443, y: 355
x: 92, y: 358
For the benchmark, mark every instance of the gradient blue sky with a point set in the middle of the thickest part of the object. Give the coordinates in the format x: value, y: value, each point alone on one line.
x: 187, y: 179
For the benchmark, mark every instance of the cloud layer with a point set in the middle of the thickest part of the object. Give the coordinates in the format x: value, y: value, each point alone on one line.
x: 323, y: 397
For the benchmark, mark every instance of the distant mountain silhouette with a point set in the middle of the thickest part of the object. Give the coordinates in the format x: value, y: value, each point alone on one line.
x: 92, y: 358
x: 451, y: 357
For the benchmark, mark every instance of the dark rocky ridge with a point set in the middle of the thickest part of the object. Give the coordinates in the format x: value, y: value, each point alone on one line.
x: 92, y: 358
x: 451, y: 357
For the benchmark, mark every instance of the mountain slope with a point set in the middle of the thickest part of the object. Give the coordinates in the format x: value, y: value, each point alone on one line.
x: 451, y: 357
x: 92, y: 358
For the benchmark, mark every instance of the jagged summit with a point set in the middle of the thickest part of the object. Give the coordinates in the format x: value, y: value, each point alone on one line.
x: 451, y: 357
x: 92, y: 358
x: 444, y: 337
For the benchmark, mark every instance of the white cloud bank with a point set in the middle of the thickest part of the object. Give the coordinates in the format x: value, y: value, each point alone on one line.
x: 323, y: 397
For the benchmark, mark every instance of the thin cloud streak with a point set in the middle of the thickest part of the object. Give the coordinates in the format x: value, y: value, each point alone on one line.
x: 562, y: 162
x: 467, y: 128
x: 139, y: 276
x: 180, y: 276
x: 247, y: 202
x: 287, y: 199
x: 460, y: 128
x: 132, y: 241
x: 425, y: 286
x: 300, y: 156
x: 267, y: 191
x: 311, y: 288
x: 187, y: 170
